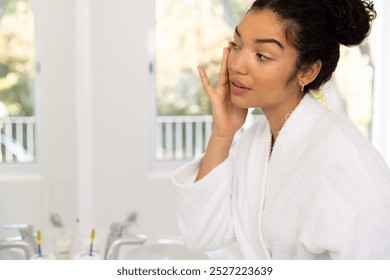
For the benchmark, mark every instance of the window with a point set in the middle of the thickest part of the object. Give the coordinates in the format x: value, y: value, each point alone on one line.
x: 187, y: 33
x: 192, y: 32
x: 17, y: 123
x: 354, y: 80
x: 381, y: 114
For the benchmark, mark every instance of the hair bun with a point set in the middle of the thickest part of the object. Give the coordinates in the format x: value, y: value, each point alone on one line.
x: 351, y: 18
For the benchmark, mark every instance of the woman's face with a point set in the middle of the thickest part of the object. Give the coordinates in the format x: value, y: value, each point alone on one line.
x: 262, y: 63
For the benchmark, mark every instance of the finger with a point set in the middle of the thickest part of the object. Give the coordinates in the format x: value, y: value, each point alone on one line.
x: 205, y: 80
x: 230, y: 46
x: 223, y: 78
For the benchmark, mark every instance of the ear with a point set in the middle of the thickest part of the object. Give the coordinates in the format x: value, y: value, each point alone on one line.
x: 309, y: 73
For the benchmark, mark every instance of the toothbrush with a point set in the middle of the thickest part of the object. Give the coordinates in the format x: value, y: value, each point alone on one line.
x: 92, y: 239
x: 39, y: 240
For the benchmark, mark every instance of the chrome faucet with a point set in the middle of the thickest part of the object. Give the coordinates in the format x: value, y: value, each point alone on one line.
x: 118, y: 236
x: 25, y: 241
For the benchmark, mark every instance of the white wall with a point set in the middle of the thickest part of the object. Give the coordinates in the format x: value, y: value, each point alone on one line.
x: 28, y: 194
x: 93, y: 111
x: 122, y: 181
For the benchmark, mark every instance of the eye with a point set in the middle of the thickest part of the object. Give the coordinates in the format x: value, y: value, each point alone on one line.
x: 234, y: 45
x: 262, y: 57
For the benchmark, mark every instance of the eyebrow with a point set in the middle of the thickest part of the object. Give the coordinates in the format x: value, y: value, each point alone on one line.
x: 262, y: 41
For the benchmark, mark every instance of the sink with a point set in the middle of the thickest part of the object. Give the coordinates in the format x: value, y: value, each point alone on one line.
x: 12, y: 254
x: 171, y: 248
x: 163, y: 251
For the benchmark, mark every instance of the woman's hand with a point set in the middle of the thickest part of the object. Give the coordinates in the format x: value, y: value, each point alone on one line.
x: 227, y: 117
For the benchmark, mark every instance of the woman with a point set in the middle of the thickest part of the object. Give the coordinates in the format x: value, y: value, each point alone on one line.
x: 302, y: 182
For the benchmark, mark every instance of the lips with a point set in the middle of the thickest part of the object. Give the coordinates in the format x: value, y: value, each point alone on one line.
x: 237, y: 86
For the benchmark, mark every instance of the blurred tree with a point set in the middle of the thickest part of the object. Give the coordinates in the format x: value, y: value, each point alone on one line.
x: 16, y: 56
x: 190, y: 33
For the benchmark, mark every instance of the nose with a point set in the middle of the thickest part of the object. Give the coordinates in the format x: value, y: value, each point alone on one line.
x: 238, y: 62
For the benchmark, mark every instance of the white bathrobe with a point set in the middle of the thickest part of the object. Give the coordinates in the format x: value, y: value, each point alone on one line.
x: 323, y: 194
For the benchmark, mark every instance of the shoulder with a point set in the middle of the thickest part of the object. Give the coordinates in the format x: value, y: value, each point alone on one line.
x: 340, y: 135
x: 348, y: 161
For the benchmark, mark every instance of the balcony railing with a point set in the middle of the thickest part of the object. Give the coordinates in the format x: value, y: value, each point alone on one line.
x: 181, y: 137
x: 184, y: 137
x: 17, y: 139
x: 178, y: 138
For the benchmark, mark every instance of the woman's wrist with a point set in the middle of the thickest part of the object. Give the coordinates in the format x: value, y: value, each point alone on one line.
x: 216, y: 152
x: 223, y: 136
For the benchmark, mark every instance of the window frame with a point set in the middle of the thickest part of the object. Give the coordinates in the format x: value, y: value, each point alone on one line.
x: 381, y: 103
x: 380, y: 134
x: 154, y: 164
x: 15, y: 169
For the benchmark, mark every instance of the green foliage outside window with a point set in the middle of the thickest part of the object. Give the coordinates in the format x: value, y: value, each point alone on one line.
x: 16, y: 58
x: 192, y: 33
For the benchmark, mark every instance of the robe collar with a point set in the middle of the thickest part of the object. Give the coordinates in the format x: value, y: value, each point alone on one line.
x: 297, y: 127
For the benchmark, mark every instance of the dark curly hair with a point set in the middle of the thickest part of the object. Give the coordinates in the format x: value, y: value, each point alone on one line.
x: 316, y: 28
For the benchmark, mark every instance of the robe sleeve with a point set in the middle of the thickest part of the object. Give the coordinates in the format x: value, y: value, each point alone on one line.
x: 369, y: 234
x: 204, y: 207
x: 361, y: 180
